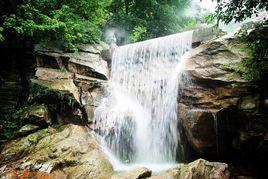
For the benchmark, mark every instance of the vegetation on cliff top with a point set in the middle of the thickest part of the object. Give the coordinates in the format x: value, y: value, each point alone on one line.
x: 82, y: 21
x: 255, y: 42
x: 68, y: 22
x: 227, y: 11
x: 256, y: 46
x: 150, y: 18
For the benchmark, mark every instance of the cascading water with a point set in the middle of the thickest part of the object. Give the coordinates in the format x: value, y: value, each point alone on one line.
x: 138, y: 119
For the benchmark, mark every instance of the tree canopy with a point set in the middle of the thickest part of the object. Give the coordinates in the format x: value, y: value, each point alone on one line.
x: 255, y: 42
x: 150, y: 18
x: 67, y: 21
x: 228, y: 10
x: 71, y: 22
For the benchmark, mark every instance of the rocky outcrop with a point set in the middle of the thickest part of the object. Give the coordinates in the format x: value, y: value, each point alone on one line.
x: 136, y: 173
x: 52, y: 137
x: 64, y: 88
x: 83, y: 74
x: 37, y: 114
x: 197, y: 169
x: 68, y: 151
x: 223, y: 114
x: 87, y: 61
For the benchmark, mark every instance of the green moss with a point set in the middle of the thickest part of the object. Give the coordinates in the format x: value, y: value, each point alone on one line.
x: 9, y: 129
x: 31, y: 112
x: 252, y: 65
x: 226, y: 65
x: 21, y: 116
x: 254, y: 50
x: 55, y: 99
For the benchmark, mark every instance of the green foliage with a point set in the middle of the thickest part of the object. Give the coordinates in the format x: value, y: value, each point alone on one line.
x: 9, y: 129
x: 227, y: 11
x: 17, y: 119
x: 252, y: 65
x: 150, y: 18
x: 12, y: 124
x: 209, y: 18
x: 1, y: 35
x: 226, y: 65
x: 253, y: 44
x: 69, y: 22
x: 138, y: 33
x: 234, y: 85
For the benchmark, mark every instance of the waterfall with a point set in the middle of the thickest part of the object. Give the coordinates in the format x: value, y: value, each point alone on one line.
x: 138, y: 119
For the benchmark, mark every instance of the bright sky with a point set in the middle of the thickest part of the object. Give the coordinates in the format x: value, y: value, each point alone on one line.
x: 207, y: 4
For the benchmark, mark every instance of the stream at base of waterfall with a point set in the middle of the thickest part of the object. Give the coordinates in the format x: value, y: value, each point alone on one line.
x: 138, y: 120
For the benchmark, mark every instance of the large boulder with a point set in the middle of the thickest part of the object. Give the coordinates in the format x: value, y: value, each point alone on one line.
x: 208, y: 89
x: 220, y: 111
x: 136, y: 173
x: 70, y: 151
x: 198, y: 169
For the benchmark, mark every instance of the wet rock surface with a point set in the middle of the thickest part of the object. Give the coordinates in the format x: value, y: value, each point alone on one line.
x: 197, y: 169
x: 137, y: 173
x: 69, y: 150
x: 223, y: 115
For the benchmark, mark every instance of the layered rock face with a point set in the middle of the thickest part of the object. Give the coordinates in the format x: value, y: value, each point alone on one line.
x: 222, y: 114
x: 64, y: 87
x: 82, y: 74
x: 54, y: 139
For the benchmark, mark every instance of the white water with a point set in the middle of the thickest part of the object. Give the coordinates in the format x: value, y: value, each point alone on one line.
x: 138, y: 120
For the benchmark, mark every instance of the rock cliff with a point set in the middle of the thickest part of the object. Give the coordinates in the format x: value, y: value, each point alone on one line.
x: 54, y: 139
x: 223, y: 115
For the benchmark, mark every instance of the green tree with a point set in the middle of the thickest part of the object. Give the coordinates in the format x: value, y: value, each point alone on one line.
x: 150, y: 18
x: 67, y: 21
x: 1, y: 35
x: 238, y: 10
x: 255, y: 42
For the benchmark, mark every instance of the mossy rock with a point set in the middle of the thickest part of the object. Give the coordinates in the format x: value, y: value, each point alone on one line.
x: 35, y: 114
x: 71, y: 149
x: 28, y: 128
x: 197, y: 169
x: 19, y: 148
x: 42, y: 92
